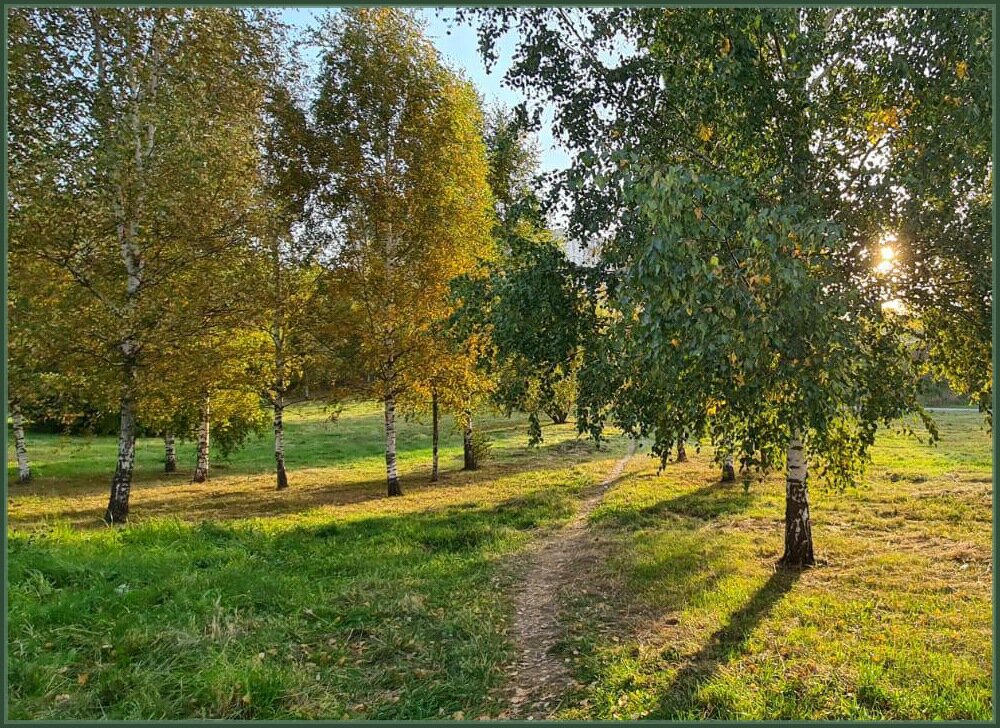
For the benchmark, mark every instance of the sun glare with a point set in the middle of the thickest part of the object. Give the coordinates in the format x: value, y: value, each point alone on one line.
x: 886, y: 254
x: 894, y: 306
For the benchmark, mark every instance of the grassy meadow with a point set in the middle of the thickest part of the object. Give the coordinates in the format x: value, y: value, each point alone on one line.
x: 231, y: 600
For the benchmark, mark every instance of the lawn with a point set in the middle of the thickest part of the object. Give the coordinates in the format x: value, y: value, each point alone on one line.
x: 690, y: 620
x: 231, y: 600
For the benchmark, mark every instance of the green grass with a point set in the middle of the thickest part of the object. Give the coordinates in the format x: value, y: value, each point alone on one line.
x: 327, y: 600
x: 895, y: 623
x: 231, y: 600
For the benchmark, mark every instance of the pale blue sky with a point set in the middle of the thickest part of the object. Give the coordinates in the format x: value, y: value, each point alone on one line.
x: 460, y: 51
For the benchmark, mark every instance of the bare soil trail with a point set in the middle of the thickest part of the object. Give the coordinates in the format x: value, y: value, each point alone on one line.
x: 540, y: 678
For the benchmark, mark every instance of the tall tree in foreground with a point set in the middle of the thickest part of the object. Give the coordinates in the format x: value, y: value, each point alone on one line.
x: 723, y: 166
x: 134, y: 132
x: 404, y: 198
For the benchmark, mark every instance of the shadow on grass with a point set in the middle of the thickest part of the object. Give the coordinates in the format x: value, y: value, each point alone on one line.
x: 408, y: 600
x: 711, y: 500
x: 231, y: 498
x: 725, y: 645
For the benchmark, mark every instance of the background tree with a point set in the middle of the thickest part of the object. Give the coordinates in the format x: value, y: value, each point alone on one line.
x: 531, y: 307
x: 404, y: 197
x: 522, y: 304
x: 282, y: 265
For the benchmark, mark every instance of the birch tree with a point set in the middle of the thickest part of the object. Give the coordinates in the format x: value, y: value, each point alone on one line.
x: 134, y: 131
x: 404, y: 197
x: 723, y: 162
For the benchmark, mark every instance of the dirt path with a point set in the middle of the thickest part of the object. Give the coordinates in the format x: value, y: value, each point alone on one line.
x: 539, y: 678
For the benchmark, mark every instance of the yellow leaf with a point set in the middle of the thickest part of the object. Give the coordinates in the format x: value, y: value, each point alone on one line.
x: 697, y: 212
x: 705, y: 132
x: 961, y: 69
x: 726, y: 46
x: 675, y: 342
x: 82, y: 679
x: 246, y: 699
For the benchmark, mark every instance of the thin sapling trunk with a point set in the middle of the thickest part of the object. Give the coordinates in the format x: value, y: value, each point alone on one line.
x: 467, y: 449
x: 435, y: 436
x: 204, y: 435
x: 392, y: 476
x: 169, y: 453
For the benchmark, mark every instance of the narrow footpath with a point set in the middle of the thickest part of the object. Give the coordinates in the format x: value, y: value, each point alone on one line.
x: 540, y: 678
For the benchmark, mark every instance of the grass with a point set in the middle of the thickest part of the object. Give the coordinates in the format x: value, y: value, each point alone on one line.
x: 230, y: 600
x: 327, y: 600
x: 691, y: 621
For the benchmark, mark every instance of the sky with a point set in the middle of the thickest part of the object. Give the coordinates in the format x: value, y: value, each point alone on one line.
x: 460, y: 51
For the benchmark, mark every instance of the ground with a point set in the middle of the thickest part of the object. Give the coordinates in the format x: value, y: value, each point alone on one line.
x: 231, y: 600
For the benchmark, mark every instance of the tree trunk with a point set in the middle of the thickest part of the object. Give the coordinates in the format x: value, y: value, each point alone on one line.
x: 204, y: 434
x: 23, y: 468
x: 390, y: 446
x: 435, y: 437
x: 121, y: 483
x: 682, y: 455
x: 468, y: 452
x: 798, y: 528
x: 278, y: 339
x: 128, y: 205
x: 170, y: 453
x: 728, y: 471
x: 279, y: 441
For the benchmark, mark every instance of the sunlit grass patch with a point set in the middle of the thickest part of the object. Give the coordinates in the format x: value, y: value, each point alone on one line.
x: 692, y: 621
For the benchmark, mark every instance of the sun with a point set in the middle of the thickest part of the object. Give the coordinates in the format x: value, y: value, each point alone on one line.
x: 886, y: 254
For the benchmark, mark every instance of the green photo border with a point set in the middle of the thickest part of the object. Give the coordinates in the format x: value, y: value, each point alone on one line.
x: 444, y: 3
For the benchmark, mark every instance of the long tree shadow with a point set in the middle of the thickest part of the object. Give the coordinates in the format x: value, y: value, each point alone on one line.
x: 710, y: 500
x: 725, y: 645
x: 235, y: 498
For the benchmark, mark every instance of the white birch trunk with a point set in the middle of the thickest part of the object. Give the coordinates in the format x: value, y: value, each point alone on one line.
x: 20, y: 449
x: 204, y: 434
x: 798, y: 527
x: 121, y: 483
x: 390, y: 446
x: 169, y: 453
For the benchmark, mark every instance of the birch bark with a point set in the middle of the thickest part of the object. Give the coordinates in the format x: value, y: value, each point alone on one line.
x: 798, y: 527
x: 169, y: 453
x: 204, y: 436
x: 390, y: 446
x: 20, y: 449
